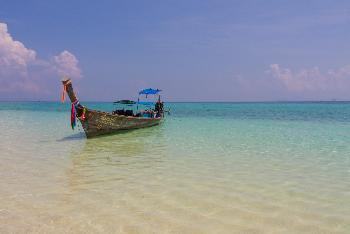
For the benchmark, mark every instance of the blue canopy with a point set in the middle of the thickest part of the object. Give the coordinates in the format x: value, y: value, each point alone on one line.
x: 149, y: 91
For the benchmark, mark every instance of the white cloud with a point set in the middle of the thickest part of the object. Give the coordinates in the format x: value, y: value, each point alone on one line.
x: 313, y: 79
x: 21, y: 70
x: 66, y: 64
x: 14, y: 56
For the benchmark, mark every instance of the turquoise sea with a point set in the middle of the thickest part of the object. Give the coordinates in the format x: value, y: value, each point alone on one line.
x: 209, y: 168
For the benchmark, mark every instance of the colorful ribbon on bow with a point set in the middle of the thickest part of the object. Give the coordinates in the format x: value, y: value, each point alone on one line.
x: 83, y: 117
x: 63, y: 95
x: 73, y: 114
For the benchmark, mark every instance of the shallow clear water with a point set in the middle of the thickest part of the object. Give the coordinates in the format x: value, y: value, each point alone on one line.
x: 209, y: 168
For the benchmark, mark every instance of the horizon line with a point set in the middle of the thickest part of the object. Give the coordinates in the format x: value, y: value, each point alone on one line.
x: 265, y: 101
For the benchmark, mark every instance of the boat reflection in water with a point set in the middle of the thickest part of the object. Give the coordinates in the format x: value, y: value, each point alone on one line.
x: 105, y: 160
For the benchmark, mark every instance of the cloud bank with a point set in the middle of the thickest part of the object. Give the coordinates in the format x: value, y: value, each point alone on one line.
x: 22, y: 71
x: 332, y: 82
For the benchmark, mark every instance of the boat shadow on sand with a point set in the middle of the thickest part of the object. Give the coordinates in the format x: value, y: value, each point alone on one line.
x: 73, y: 137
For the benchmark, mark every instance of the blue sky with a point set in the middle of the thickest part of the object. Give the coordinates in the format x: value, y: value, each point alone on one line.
x: 193, y: 50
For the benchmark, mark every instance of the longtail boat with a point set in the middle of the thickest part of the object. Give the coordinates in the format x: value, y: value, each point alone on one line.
x: 96, y: 123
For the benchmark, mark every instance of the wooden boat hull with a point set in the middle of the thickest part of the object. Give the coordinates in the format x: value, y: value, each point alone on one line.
x: 98, y: 123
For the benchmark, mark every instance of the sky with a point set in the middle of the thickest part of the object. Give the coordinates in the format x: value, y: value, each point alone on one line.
x: 194, y: 50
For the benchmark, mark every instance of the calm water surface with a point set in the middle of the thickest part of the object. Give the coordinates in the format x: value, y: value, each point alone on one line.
x: 210, y: 168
